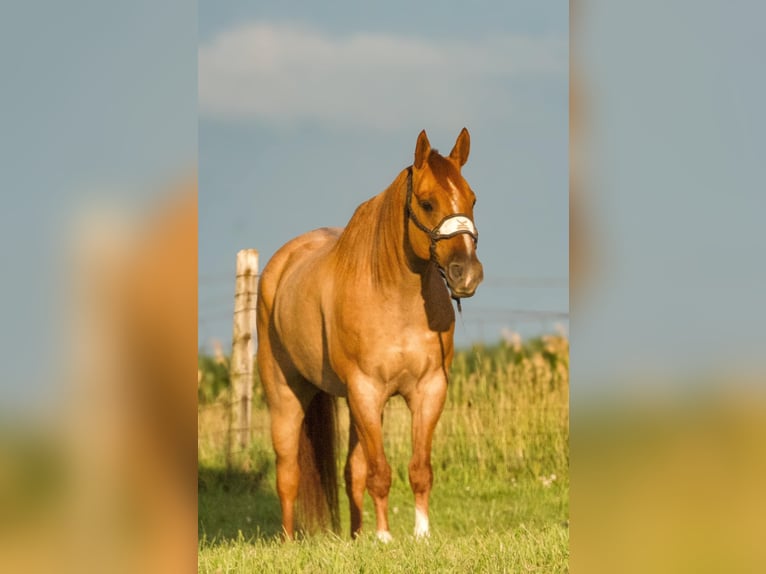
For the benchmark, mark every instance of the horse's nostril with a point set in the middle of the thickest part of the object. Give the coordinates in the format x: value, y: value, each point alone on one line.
x: 456, y: 271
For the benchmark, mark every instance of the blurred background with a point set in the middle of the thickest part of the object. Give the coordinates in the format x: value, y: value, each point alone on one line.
x: 98, y: 140
x: 667, y: 326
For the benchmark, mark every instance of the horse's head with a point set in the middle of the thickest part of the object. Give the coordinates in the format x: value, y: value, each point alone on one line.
x: 440, y: 207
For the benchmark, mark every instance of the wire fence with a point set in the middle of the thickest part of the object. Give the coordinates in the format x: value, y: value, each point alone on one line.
x: 517, y: 398
x: 220, y: 430
x: 476, y: 322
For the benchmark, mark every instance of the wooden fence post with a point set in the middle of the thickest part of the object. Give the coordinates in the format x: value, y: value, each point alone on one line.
x: 242, y: 346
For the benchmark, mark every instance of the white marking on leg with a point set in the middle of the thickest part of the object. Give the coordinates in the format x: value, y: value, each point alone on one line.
x: 421, y: 523
x: 384, y: 536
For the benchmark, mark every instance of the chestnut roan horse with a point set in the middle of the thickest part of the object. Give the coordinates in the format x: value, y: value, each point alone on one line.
x: 365, y: 312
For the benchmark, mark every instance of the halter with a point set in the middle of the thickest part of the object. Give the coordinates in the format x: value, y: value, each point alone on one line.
x: 449, y: 226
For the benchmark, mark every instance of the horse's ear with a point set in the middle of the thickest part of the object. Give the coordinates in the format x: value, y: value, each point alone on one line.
x: 459, y: 153
x: 422, y: 150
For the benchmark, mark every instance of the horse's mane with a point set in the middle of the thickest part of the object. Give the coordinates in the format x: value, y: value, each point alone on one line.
x: 371, y: 245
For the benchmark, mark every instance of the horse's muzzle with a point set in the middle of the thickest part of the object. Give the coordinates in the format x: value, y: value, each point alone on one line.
x: 463, y: 276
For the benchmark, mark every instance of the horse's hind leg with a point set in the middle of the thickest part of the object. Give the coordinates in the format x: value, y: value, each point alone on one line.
x: 286, y: 409
x: 356, y: 478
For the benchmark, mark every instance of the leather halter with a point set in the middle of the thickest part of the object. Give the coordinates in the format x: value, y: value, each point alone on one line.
x: 454, y: 224
x: 449, y: 226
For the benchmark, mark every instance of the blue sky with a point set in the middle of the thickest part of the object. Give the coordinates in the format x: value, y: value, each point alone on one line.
x: 676, y: 193
x: 306, y: 113
x: 99, y: 109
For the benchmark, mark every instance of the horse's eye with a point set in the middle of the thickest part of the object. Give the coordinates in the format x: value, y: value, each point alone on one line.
x: 426, y: 206
x: 474, y: 202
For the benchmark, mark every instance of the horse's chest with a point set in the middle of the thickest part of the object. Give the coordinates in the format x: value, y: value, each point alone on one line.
x: 391, y: 341
x: 402, y: 357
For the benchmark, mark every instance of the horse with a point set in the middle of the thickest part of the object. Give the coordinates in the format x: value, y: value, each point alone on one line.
x: 365, y: 312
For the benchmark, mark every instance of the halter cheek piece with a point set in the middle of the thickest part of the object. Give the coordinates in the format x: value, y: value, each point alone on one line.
x: 450, y: 226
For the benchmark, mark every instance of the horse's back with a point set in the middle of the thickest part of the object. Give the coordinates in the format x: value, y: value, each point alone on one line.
x: 291, y: 257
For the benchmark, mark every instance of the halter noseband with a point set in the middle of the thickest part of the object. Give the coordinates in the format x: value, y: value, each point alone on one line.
x: 449, y: 226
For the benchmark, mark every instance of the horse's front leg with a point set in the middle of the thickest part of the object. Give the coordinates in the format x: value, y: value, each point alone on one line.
x: 426, y: 403
x: 356, y: 478
x: 366, y: 401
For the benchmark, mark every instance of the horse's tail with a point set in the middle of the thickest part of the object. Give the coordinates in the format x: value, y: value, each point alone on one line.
x: 318, y: 490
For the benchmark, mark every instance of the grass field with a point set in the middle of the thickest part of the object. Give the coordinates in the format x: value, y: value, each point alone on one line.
x: 501, y: 479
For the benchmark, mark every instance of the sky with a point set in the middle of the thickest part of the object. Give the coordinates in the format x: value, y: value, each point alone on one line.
x: 306, y: 113
x: 98, y: 111
x: 676, y: 194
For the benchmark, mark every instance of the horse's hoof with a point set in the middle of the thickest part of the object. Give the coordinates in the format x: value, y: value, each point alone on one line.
x: 384, y: 536
x: 422, y: 534
x: 421, y: 524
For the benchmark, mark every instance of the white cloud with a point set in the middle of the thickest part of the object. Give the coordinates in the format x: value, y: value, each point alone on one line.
x: 286, y: 73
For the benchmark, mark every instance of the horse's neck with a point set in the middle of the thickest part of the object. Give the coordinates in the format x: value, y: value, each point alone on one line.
x: 375, y: 264
x: 372, y: 246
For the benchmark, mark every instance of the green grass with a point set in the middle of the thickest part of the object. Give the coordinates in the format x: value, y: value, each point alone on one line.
x: 501, y: 480
x: 522, y: 549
